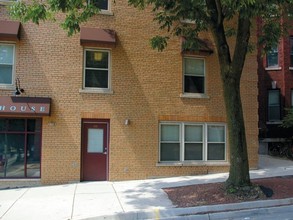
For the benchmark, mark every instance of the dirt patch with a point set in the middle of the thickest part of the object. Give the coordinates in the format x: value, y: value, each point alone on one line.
x: 215, y: 193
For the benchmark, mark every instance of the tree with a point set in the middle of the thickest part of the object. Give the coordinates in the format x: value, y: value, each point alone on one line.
x: 207, y: 15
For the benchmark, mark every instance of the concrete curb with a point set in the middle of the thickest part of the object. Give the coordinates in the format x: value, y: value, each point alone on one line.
x: 201, y: 212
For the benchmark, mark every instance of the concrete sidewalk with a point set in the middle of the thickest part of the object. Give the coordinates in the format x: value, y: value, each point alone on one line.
x: 127, y: 200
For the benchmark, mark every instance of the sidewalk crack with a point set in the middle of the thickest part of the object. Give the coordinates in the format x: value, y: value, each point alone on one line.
x: 118, y: 198
x: 73, y: 202
x: 14, y: 203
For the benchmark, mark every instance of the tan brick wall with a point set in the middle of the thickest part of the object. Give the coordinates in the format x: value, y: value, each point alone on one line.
x: 146, y: 89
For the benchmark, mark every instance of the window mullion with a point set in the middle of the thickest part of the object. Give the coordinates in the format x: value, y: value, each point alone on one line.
x: 205, y: 142
x: 182, y: 144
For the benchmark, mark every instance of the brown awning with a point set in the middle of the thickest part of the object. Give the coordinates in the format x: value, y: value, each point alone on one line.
x: 204, y: 48
x: 9, y: 30
x: 17, y: 105
x: 97, y: 37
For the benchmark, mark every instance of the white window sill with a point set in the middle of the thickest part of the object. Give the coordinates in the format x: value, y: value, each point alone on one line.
x: 274, y: 122
x: 96, y: 91
x: 194, y: 96
x: 273, y: 68
x: 187, y: 164
x: 187, y: 21
x: 290, y: 68
x: 104, y: 12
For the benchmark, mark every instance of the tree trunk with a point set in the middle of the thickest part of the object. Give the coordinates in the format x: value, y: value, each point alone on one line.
x: 239, y: 168
x: 231, y: 71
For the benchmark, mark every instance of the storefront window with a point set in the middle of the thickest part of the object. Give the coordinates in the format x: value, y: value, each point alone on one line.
x: 20, y: 148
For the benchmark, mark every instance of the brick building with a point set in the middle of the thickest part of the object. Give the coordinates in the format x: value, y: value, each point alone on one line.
x: 275, y: 82
x: 103, y: 105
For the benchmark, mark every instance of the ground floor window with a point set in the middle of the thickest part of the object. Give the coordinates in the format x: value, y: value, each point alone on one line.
x: 192, y: 142
x: 20, y: 147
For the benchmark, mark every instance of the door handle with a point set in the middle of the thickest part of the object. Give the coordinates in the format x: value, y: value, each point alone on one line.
x: 105, y: 151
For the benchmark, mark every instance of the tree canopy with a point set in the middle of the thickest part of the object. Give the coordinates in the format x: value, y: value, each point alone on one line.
x: 205, y: 13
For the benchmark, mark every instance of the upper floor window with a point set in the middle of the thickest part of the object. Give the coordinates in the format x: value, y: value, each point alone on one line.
x: 192, y: 142
x: 291, y: 51
x: 273, y: 57
x: 7, y: 52
x: 96, y: 69
x: 274, y: 105
x: 102, y: 4
x: 194, y: 75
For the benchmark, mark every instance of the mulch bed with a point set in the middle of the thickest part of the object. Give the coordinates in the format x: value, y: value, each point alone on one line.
x: 215, y: 193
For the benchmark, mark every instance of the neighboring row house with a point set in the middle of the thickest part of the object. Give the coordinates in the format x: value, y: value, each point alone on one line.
x: 275, y: 84
x: 103, y: 105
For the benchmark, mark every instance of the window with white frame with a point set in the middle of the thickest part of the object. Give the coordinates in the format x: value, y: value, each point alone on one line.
x: 274, y: 105
x: 187, y: 142
x: 273, y: 58
x: 7, y: 56
x: 102, y: 4
x: 194, y: 75
x: 96, y: 69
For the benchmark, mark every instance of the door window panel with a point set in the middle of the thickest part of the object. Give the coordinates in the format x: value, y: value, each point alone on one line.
x: 95, y: 140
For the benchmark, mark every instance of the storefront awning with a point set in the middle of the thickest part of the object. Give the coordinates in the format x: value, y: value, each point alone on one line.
x: 17, y: 105
x: 9, y: 30
x: 97, y: 37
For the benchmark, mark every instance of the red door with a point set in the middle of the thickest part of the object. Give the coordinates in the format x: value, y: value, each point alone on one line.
x: 95, y: 147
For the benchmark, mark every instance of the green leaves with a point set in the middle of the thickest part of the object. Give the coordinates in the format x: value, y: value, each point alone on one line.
x: 287, y: 122
x: 76, y: 11
x: 271, y: 33
x: 35, y: 12
x: 159, y: 42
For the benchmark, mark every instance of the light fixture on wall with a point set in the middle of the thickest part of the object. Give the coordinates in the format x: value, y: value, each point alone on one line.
x: 127, y: 122
x: 18, y: 89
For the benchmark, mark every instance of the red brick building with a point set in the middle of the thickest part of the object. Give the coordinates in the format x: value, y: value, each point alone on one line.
x: 275, y: 83
x: 103, y: 105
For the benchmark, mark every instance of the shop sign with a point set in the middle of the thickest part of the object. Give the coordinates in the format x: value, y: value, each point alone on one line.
x: 17, y: 105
